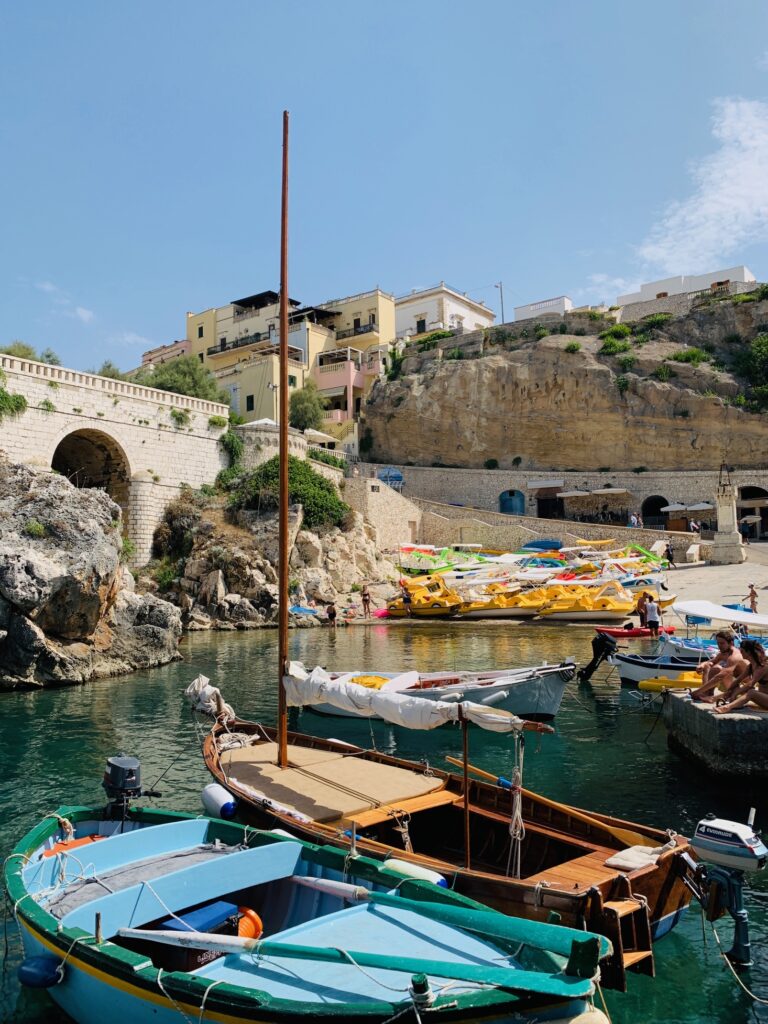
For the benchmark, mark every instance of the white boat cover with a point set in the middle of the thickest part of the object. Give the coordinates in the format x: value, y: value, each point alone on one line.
x: 207, y: 699
x: 708, y: 610
x: 317, y: 687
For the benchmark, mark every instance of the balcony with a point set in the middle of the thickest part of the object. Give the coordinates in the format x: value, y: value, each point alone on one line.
x: 259, y: 344
x: 353, y: 332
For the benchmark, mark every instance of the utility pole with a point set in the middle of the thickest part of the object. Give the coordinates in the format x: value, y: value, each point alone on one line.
x: 500, y: 286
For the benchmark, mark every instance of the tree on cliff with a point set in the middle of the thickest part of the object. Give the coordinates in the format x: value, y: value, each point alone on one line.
x: 184, y: 376
x: 307, y: 407
x: 22, y: 350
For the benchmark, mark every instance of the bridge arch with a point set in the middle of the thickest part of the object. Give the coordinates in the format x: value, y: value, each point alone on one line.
x: 89, y: 457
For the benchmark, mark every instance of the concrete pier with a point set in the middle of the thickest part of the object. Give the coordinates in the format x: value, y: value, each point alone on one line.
x: 734, y: 744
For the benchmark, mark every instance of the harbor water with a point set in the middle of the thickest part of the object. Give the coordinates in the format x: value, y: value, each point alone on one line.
x: 609, y: 754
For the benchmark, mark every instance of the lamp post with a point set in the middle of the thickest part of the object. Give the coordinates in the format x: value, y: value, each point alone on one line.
x: 500, y: 286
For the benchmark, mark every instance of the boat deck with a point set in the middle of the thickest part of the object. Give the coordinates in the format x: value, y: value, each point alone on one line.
x: 325, y: 785
x: 579, y: 874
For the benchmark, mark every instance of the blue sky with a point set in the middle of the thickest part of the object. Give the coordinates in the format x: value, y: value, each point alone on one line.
x: 559, y: 147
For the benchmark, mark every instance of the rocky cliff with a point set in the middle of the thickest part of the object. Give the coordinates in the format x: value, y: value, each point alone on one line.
x: 563, y: 402
x: 68, y: 610
x: 229, y: 578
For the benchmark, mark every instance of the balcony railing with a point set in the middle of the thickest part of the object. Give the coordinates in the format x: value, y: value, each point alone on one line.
x: 261, y: 344
x: 351, y: 332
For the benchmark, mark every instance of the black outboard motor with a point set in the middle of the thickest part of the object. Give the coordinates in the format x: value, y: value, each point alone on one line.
x: 122, y: 783
x: 603, y: 646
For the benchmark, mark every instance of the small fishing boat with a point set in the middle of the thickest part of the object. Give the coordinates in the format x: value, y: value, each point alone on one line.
x: 634, y: 667
x: 142, y: 915
x: 533, y: 693
x: 630, y: 632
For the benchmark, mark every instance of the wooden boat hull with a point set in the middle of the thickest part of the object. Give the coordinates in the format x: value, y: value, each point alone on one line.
x: 563, y: 860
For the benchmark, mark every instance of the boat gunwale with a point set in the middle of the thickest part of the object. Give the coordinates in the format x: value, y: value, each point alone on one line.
x: 121, y: 967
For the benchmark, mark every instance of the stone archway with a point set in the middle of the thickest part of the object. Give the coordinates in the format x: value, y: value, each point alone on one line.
x: 91, y: 458
x: 651, y: 512
x: 752, y: 502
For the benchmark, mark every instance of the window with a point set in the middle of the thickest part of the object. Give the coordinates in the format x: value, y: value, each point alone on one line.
x: 201, y: 357
x: 249, y: 403
x: 421, y: 326
x: 222, y: 344
x: 291, y: 381
x: 372, y: 317
x: 199, y: 330
x: 356, y: 323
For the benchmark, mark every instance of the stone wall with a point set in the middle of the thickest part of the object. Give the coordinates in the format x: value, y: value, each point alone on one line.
x: 448, y: 524
x: 396, y: 519
x: 481, y: 488
x: 149, y: 453
x: 731, y: 744
x: 262, y: 443
x: 678, y: 305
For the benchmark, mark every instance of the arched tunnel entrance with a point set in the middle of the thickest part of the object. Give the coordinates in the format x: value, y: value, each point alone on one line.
x: 89, y: 458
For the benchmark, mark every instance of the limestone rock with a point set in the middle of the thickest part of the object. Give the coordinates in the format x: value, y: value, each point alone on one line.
x: 212, y: 589
x: 309, y: 549
x: 64, y: 597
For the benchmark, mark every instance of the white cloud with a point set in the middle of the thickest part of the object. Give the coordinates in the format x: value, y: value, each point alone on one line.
x: 86, y: 315
x: 728, y: 208
x: 604, y: 287
x: 47, y: 286
x: 130, y: 338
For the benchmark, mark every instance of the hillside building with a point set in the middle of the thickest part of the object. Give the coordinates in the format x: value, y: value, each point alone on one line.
x: 439, y: 308
x: 560, y: 305
x: 682, y: 284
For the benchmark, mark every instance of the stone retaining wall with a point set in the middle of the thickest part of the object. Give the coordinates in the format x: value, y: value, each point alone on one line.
x: 262, y: 443
x: 725, y: 744
x: 395, y: 519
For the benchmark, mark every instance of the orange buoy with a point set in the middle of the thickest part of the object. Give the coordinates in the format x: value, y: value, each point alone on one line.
x: 249, y: 926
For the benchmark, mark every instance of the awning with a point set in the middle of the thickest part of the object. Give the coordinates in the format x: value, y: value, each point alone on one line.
x: 332, y: 392
x: 701, y: 506
x: 674, y: 507
x: 573, y: 494
x: 751, y: 519
x: 318, y: 437
x: 611, y: 490
x: 537, y: 485
x: 708, y: 610
x: 752, y: 503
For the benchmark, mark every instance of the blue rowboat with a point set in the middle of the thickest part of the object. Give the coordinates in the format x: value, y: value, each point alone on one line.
x: 147, y: 915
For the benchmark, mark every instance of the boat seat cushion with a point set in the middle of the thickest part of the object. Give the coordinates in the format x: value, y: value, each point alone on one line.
x: 634, y: 858
x: 266, y: 753
x: 335, y: 789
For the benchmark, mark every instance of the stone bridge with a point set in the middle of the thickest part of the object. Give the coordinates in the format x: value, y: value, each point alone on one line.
x: 137, y: 443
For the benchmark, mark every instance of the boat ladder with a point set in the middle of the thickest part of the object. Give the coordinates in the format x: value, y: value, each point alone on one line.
x: 626, y: 923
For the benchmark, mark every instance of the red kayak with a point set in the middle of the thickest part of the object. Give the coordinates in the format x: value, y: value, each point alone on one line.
x: 635, y: 631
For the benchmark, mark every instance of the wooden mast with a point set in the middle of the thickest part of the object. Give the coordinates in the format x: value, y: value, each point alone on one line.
x: 282, y: 710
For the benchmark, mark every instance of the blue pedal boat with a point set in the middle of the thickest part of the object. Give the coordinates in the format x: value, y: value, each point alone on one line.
x: 151, y: 915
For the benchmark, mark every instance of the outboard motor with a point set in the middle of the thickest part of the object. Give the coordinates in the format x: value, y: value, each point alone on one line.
x: 603, y: 646
x: 122, y: 783
x: 728, y: 850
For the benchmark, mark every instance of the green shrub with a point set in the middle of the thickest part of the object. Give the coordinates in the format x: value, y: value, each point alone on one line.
x: 174, y: 534
x: 580, y: 332
x: 612, y: 347
x: 692, y: 355
x: 540, y: 331
x: 180, y: 417
x: 10, y: 404
x: 215, y: 422
x: 740, y: 401
x: 430, y: 341
x: 626, y: 362
x: 640, y: 469
x: 165, y: 573
x: 53, y: 385
x: 563, y: 328
x: 491, y: 463
x: 652, y: 322
x: 664, y: 372
x: 732, y: 339
x: 127, y: 550
x: 47, y: 405
x: 622, y: 383
x: 573, y: 346
x: 34, y: 528
x: 259, y: 490
x: 453, y: 353
x: 709, y: 393
x: 227, y: 478
x: 616, y: 331
x: 207, y: 490
x: 395, y: 365
x: 320, y: 455
x: 594, y: 315
x: 233, y: 445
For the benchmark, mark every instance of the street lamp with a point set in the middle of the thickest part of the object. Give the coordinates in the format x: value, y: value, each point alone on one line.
x: 500, y: 286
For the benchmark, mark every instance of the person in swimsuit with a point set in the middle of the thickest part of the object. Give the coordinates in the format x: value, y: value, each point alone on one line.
x: 365, y: 596
x: 641, y: 607
x: 755, y: 688
x: 752, y: 598
x: 726, y: 668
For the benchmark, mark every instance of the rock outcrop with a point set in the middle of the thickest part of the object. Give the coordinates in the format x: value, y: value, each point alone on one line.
x: 533, y: 404
x: 229, y: 579
x: 68, y: 610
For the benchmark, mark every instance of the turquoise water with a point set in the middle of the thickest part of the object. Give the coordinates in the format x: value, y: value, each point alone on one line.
x: 608, y: 755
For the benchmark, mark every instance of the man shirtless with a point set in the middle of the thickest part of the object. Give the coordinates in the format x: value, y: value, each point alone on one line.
x: 726, y: 668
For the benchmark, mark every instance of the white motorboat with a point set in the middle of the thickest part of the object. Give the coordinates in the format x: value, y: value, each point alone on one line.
x: 525, y: 692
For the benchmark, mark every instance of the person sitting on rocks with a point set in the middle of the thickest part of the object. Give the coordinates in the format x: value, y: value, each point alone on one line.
x: 724, y: 669
x: 754, y: 689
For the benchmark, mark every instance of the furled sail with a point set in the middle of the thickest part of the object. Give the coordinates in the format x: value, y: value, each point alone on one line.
x: 317, y: 687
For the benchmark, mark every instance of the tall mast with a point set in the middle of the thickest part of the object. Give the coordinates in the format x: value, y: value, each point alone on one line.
x: 282, y: 711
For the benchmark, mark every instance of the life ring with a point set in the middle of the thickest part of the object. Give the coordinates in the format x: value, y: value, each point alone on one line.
x: 250, y: 925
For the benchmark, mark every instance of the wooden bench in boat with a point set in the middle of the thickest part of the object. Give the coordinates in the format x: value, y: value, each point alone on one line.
x: 578, y: 874
x: 544, y: 830
x: 325, y: 785
x: 441, y: 798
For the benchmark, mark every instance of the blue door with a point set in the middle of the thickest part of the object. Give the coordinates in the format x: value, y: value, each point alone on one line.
x: 512, y: 503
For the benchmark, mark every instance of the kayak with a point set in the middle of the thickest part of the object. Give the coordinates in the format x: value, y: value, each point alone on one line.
x: 632, y: 632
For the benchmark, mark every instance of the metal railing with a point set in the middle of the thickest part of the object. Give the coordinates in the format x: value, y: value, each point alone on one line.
x: 351, y: 332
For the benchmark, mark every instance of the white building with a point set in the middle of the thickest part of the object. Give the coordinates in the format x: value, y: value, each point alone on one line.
x: 559, y: 305
x: 439, y: 308
x: 684, y: 283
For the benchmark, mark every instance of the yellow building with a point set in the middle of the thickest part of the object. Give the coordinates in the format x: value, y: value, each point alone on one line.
x: 343, y: 345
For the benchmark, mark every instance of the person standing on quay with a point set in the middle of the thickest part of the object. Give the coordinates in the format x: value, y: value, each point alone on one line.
x: 365, y: 596
x: 669, y: 554
x: 752, y: 598
x: 653, y: 616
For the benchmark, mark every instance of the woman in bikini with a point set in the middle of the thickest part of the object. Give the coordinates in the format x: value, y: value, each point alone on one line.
x: 755, y: 689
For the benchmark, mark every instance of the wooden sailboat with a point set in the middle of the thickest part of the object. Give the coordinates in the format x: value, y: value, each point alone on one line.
x: 507, y: 847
